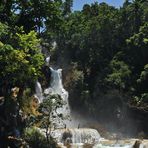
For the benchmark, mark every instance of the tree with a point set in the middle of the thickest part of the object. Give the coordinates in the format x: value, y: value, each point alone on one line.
x: 49, y: 116
x: 120, y: 75
x: 137, y: 49
x: 32, y: 14
x: 86, y: 9
x: 67, y: 7
x: 5, y: 10
x: 143, y: 80
x: 21, y: 63
x: 35, y: 138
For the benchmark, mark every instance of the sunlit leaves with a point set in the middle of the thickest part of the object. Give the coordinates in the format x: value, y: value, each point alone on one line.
x: 23, y: 63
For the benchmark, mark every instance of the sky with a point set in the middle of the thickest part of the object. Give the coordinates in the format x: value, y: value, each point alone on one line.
x: 78, y: 4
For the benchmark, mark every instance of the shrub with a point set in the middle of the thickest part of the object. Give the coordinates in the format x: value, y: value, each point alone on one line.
x: 35, y: 138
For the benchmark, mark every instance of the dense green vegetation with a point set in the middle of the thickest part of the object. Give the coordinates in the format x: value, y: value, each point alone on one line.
x: 102, y: 49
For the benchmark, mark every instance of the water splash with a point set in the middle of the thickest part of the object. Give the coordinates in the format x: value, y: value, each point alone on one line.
x: 74, y: 135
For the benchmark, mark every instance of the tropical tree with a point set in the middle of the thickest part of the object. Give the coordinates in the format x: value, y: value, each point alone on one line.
x: 21, y: 63
x: 120, y: 75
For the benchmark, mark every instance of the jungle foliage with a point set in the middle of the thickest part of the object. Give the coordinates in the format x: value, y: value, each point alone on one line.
x: 101, y: 48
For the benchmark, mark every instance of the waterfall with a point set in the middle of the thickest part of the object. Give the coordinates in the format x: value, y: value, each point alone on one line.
x: 56, y: 81
x: 38, y: 87
x: 47, y: 61
x: 56, y: 87
x: 83, y: 135
x: 39, y: 91
x: 74, y: 136
x: 56, y: 84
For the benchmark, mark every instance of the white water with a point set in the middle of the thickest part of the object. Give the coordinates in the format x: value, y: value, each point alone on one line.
x: 47, y: 61
x: 77, y: 136
x: 39, y: 92
x: 115, y: 146
x: 56, y: 83
x: 56, y: 87
x: 74, y: 135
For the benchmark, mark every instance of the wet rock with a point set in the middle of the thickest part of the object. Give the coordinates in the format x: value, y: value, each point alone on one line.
x: 137, y: 144
x: 66, y: 137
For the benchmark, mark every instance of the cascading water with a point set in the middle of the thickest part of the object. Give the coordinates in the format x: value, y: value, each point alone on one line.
x: 39, y: 92
x: 72, y: 135
x: 47, y: 61
x: 56, y: 87
x: 38, y: 87
x: 56, y: 83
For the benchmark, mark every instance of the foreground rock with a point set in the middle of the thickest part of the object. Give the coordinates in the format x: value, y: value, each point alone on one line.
x: 74, y: 135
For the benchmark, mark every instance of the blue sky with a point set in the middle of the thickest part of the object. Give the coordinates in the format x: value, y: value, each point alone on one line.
x: 78, y: 4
